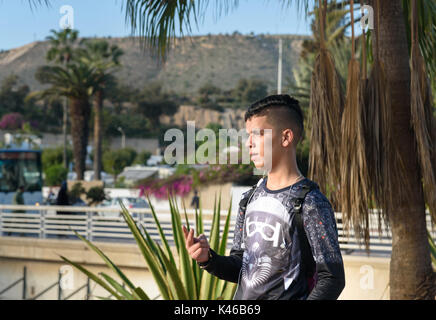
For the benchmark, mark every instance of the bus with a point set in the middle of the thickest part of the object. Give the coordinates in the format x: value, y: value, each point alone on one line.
x: 21, y: 167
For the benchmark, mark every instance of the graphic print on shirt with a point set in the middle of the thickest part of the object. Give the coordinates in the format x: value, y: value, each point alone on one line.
x: 267, y: 243
x: 271, y: 260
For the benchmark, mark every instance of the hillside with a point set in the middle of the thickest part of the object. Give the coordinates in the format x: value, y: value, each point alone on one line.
x: 219, y: 59
x: 230, y: 118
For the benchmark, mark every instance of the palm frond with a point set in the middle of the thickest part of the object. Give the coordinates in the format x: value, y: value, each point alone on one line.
x: 159, y: 22
x: 326, y: 105
x: 354, y: 190
x: 422, y: 119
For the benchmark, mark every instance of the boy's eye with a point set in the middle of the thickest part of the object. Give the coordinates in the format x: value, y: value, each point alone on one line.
x: 257, y: 132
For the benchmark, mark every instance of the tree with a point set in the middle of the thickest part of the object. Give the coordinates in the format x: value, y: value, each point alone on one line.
x: 54, y: 156
x: 410, y: 265
x: 76, y: 82
x: 411, y: 275
x: 62, y: 52
x: 105, y: 59
x: 152, y: 102
x: 249, y: 90
x: 143, y: 157
x: 95, y: 195
x: 55, y: 175
x: 12, y: 95
x: 62, y: 46
x: 208, y: 96
x: 114, y: 161
x: 120, y: 94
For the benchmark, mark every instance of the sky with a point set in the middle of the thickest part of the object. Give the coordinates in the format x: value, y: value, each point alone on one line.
x: 21, y: 23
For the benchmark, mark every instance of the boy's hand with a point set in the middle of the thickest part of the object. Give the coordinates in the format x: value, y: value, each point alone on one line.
x: 198, y: 248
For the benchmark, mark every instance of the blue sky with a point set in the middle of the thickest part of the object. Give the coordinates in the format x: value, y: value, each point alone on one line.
x: 20, y: 24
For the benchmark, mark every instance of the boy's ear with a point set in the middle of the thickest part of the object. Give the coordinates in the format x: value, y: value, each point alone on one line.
x: 287, y: 137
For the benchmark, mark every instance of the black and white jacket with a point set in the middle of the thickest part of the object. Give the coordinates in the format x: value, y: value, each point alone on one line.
x: 265, y: 258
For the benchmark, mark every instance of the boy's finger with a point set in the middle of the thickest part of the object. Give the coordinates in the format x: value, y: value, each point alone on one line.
x: 189, y: 239
x: 194, y: 248
x: 185, y: 231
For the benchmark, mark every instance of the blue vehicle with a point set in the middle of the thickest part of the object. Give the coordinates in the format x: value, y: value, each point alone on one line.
x: 21, y: 167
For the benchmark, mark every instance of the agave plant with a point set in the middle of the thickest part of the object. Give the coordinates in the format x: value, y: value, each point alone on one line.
x: 177, y: 278
x: 432, y: 244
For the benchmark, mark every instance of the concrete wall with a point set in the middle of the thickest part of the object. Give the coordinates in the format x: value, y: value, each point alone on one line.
x: 366, y: 277
x: 43, y: 262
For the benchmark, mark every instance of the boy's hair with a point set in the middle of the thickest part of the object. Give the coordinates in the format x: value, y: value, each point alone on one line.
x: 282, y: 110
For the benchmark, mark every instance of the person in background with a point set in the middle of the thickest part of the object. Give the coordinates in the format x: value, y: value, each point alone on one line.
x: 18, y: 198
x: 62, y: 199
x: 195, y: 200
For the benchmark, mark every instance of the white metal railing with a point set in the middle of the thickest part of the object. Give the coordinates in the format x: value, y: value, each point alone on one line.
x: 103, y: 224
x: 380, y: 235
x: 107, y: 224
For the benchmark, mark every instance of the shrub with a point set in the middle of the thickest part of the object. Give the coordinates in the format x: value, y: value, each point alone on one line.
x: 181, y: 280
x: 54, y: 156
x: 76, y: 191
x: 142, y: 157
x: 55, y: 174
x: 12, y: 121
x: 96, y: 195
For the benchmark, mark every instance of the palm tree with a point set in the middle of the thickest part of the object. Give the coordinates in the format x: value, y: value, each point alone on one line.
x: 411, y: 274
x: 61, y: 52
x: 104, y: 59
x: 410, y: 267
x: 75, y: 82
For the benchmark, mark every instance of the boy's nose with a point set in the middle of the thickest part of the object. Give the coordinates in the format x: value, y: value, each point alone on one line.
x: 248, y: 142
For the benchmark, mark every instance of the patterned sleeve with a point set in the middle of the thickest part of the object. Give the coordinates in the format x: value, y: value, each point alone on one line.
x: 229, y: 267
x: 321, y: 231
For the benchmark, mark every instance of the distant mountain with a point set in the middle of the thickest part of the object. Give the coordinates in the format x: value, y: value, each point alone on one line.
x: 193, y: 61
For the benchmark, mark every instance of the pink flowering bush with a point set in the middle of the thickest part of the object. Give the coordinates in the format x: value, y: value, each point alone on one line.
x: 161, y: 188
x: 12, y: 121
x: 181, y: 183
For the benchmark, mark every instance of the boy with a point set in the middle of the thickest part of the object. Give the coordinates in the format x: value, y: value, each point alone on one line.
x: 285, y: 244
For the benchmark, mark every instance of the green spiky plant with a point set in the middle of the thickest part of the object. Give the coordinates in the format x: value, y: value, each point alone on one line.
x: 181, y: 280
x: 432, y: 244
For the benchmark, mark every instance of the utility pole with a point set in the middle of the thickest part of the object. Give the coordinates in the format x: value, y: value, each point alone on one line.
x: 279, y: 73
x: 123, y: 138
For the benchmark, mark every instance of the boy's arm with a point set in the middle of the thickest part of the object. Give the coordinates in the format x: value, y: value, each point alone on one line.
x: 321, y: 231
x: 225, y: 267
x: 228, y: 267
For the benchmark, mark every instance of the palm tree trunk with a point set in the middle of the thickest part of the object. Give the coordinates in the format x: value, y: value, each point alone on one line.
x: 79, y: 114
x: 410, y: 268
x: 64, y: 131
x: 98, y: 105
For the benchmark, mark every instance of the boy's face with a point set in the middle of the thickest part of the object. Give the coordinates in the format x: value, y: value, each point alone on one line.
x: 261, y: 140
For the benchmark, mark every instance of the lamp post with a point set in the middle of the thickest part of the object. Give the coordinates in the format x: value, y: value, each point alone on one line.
x: 123, y: 138
x: 279, y: 73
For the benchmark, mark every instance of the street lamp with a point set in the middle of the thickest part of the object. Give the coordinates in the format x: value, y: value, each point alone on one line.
x: 123, y: 138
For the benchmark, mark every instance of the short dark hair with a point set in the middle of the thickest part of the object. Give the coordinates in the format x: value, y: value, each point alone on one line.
x: 292, y: 117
